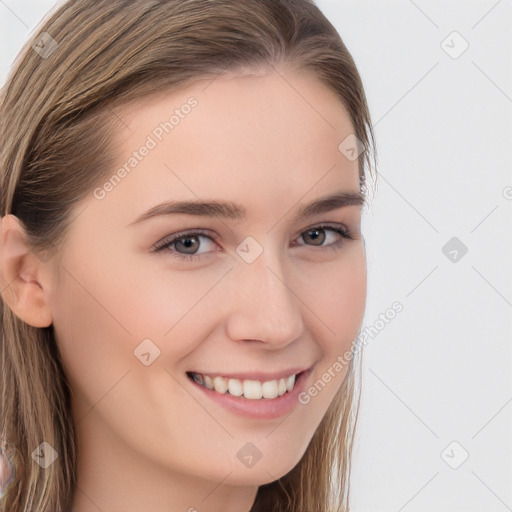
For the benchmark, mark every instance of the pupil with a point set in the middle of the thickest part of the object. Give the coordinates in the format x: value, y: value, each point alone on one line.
x: 188, y: 243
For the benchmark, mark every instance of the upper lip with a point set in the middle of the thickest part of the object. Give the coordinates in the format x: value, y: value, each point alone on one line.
x: 261, y: 376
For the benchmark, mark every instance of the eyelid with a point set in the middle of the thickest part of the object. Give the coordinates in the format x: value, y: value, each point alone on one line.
x: 173, y: 237
x: 336, y: 226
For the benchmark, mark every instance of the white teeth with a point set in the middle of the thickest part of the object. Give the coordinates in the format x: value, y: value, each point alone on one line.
x: 281, y: 387
x: 250, y: 389
x: 269, y: 389
x: 235, y: 387
x: 220, y: 384
x: 290, y: 382
x: 208, y: 381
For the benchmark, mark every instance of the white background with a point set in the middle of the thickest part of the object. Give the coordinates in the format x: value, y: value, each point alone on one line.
x: 440, y: 371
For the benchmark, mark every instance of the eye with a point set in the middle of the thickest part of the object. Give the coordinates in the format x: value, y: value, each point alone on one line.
x: 317, y: 236
x: 185, y: 245
x: 186, y: 242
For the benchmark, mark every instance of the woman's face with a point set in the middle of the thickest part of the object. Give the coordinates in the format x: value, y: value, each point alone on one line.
x: 267, y: 289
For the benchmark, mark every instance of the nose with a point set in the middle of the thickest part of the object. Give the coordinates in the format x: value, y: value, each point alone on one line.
x: 264, y: 306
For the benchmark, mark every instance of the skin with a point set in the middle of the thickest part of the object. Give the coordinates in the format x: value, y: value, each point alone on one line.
x: 148, y: 439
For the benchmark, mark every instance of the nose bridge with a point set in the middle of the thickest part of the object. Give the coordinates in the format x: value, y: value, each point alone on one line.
x: 265, y: 307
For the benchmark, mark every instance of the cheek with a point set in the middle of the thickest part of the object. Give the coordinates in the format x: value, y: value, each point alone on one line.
x: 103, y: 312
x: 93, y: 338
x: 337, y: 305
x: 336, y: 294
x: 347, y: 302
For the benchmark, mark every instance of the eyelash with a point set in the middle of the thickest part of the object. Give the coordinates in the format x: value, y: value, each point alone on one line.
x: 168, y: 241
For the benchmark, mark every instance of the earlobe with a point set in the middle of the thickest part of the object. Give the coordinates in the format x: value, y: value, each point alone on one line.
x: 21, y: 275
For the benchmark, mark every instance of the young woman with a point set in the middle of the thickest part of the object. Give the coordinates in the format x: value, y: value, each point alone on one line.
x: 183, y: 273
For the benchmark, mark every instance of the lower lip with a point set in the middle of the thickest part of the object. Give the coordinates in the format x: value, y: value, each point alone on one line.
x: 263, y: 408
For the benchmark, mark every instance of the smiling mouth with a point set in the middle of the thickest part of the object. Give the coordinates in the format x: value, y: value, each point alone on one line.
x: 247, y: 388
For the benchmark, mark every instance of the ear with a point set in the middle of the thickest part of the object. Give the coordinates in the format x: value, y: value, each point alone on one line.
x: 22, y: 275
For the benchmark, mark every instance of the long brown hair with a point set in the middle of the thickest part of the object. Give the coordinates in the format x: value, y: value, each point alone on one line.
x: 56, y: 113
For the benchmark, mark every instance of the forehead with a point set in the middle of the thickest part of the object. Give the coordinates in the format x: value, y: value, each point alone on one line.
x: 266, y: 137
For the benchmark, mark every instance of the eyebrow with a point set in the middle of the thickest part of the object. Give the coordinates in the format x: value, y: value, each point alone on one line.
x: 233, y: 211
